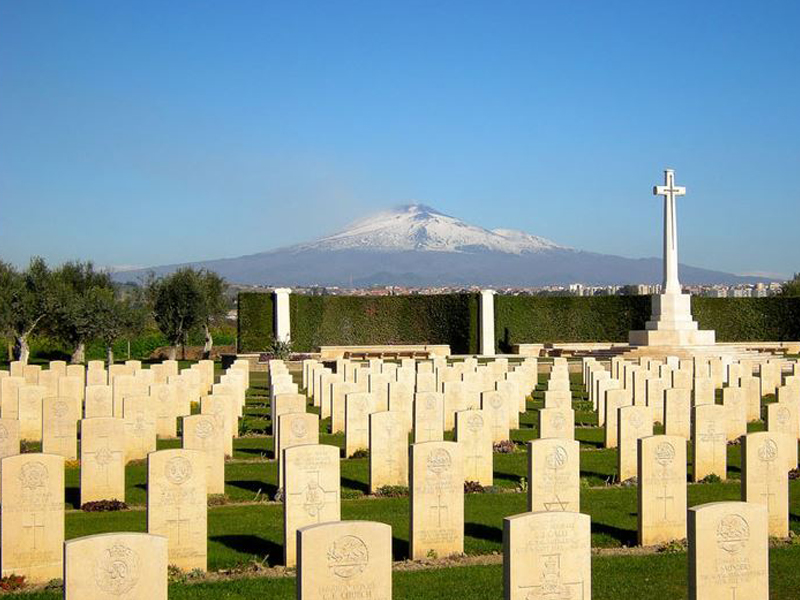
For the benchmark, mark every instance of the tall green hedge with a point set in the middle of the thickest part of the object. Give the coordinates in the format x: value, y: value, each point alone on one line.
x: 256, y: 321
x: 542, y: 319
x: 775, y: 319
x: 537, y: 319
x: 453, y: 319
x: 357, y: 320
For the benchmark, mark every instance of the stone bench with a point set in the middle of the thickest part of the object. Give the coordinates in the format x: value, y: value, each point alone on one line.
x: 422, y: 351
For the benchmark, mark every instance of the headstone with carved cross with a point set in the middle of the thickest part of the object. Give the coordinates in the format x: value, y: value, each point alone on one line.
x: 220, y: 408
x: 728, y: 551
x: 764, y: 477
x: 437, y: 500
x: 140, y: 427
x: 177, y: 505
x: 557, y: 423
x: 782, y: 418
x: 203, y: 433
x: 311, y: 491
x: 736, y: 410
x: 428, y: 417
x: 388, y: 450
x: 60, y: 427
x: 474, y: 435
x: 32, y: 519
x: 99, y: 401
x: 662, y: 489
x: 9, y: 390
x: 677, y: 412
x: 709, y: 442
x: 29, y: 399
x: 496, y: 407
x: 294, y: 429
x: 358, y: 407
x: 634, y: 422
x: 102, y: 459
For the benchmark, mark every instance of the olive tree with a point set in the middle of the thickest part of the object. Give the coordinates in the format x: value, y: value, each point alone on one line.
x: 176, y: 301
x: 116, y: 315
x: 26, y: 301
x: 73, y: 320
x: 214, y: 305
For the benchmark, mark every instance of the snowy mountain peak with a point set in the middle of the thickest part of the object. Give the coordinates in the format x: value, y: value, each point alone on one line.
x: 420, y: 227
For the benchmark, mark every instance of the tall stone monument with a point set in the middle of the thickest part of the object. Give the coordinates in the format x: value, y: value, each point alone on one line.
x: 671, y: 321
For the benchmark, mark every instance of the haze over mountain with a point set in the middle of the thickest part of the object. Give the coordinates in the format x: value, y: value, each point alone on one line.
x: 415, y: 245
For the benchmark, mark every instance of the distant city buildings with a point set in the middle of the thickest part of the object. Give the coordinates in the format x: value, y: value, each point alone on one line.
x: 758, y: 290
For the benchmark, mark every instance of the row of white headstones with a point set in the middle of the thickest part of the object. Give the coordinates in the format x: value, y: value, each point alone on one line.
x: 179, y: 481
x: 436, y: 526
x: 314, y: 494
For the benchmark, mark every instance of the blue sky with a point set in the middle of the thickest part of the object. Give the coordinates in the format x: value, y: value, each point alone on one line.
x: 142, y: 133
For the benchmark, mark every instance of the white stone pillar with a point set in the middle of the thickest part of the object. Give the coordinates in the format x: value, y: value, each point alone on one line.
x: 487, y: 322
x: 282, y: 315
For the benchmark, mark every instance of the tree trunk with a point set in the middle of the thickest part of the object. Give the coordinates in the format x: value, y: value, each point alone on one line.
x: 110, y: 355
x: 173, y: 352
x: 207, y: 347
x: 79, y: 354
x: 21, y: 349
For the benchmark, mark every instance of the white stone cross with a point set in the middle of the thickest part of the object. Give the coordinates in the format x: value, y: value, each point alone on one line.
x: 670, y: 191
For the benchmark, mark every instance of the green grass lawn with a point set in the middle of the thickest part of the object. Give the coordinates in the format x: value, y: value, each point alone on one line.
x: 247, y: 528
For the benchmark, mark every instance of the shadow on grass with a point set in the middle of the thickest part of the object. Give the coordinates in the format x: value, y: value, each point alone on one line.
x: 400, y: 549
x: 625, y: 537
x: 594, y: 443
x: 597, y: 474
x: 256, y: 451
x: 255, y: 486
x: 507, y: 476
x: 353, y: 484
x: 72, y: 497
x: 252, y: 544
x: 483, y: 532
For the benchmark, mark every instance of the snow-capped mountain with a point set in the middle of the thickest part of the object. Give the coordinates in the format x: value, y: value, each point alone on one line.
x: 415, y: 245
x: 421, y: 228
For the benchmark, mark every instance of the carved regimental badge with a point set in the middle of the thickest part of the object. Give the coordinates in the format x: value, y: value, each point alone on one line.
x: 205, y: 429
x: 768, y: 451
x: 348, y: 556
x: 33, y: 475
x: 299, y: 428
x: 733, y: 532
x: 665, y: 454
x: 439, y: 461
x: 116, y: 572
x: 557, y: 458
x: 475, y: 422
x: 178, y: 470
